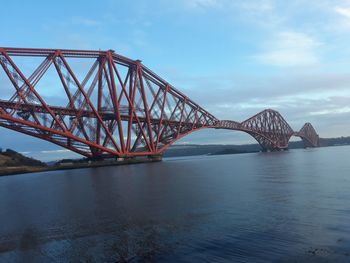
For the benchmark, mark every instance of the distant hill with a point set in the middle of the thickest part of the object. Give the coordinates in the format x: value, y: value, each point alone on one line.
x: 216, y: 149
x: 212, y: 149
x: 10, y: 158
x: 334, y: 141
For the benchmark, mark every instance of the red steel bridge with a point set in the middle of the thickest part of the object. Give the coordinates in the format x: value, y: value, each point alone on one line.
x: 101, y: 104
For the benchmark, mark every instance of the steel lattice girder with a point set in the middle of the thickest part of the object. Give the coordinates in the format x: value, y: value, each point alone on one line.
x: 268, y: 127
x: 309, y: 136
x: 116, y: 107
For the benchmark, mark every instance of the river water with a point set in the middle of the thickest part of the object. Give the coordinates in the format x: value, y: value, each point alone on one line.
x: 291, y: 206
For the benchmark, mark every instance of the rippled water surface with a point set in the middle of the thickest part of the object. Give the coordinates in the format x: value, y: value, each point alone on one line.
x: 290, y: 206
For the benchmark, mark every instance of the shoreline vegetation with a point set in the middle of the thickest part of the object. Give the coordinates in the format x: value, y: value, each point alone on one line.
x: 65, y: 164
x: 12, y: 162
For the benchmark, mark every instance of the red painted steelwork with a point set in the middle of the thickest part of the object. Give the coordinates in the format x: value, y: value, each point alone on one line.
x: 309, y: 136
x: 118, y: 107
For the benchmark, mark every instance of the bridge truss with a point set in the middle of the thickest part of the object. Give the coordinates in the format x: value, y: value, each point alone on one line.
x: 100, y: 104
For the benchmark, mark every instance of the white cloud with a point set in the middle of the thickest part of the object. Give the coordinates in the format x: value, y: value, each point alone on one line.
x: 204, y: 3
x: 342, y: 11
x: 343, y: 23
x: 330, y: 111
x: 290, y: 49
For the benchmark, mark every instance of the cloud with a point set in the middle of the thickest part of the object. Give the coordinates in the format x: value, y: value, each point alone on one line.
x: 257, y: 6
x: 343, y: 21
x: 251, y: 6
x: 300, y: 96
x: 342, y: 11
x: 290, y: 49
x: 204, y: 3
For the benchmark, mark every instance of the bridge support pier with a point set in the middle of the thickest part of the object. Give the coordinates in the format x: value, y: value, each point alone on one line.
x: 274, y: 150
x: 155, y: 157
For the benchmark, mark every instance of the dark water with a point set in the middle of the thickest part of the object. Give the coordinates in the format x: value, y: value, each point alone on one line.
x: 267, y: 207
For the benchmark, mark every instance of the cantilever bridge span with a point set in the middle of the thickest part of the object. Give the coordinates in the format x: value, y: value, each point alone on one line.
x: 100, y: 104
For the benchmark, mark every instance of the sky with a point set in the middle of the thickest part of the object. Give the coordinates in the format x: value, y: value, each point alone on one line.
x: 234, y: 58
